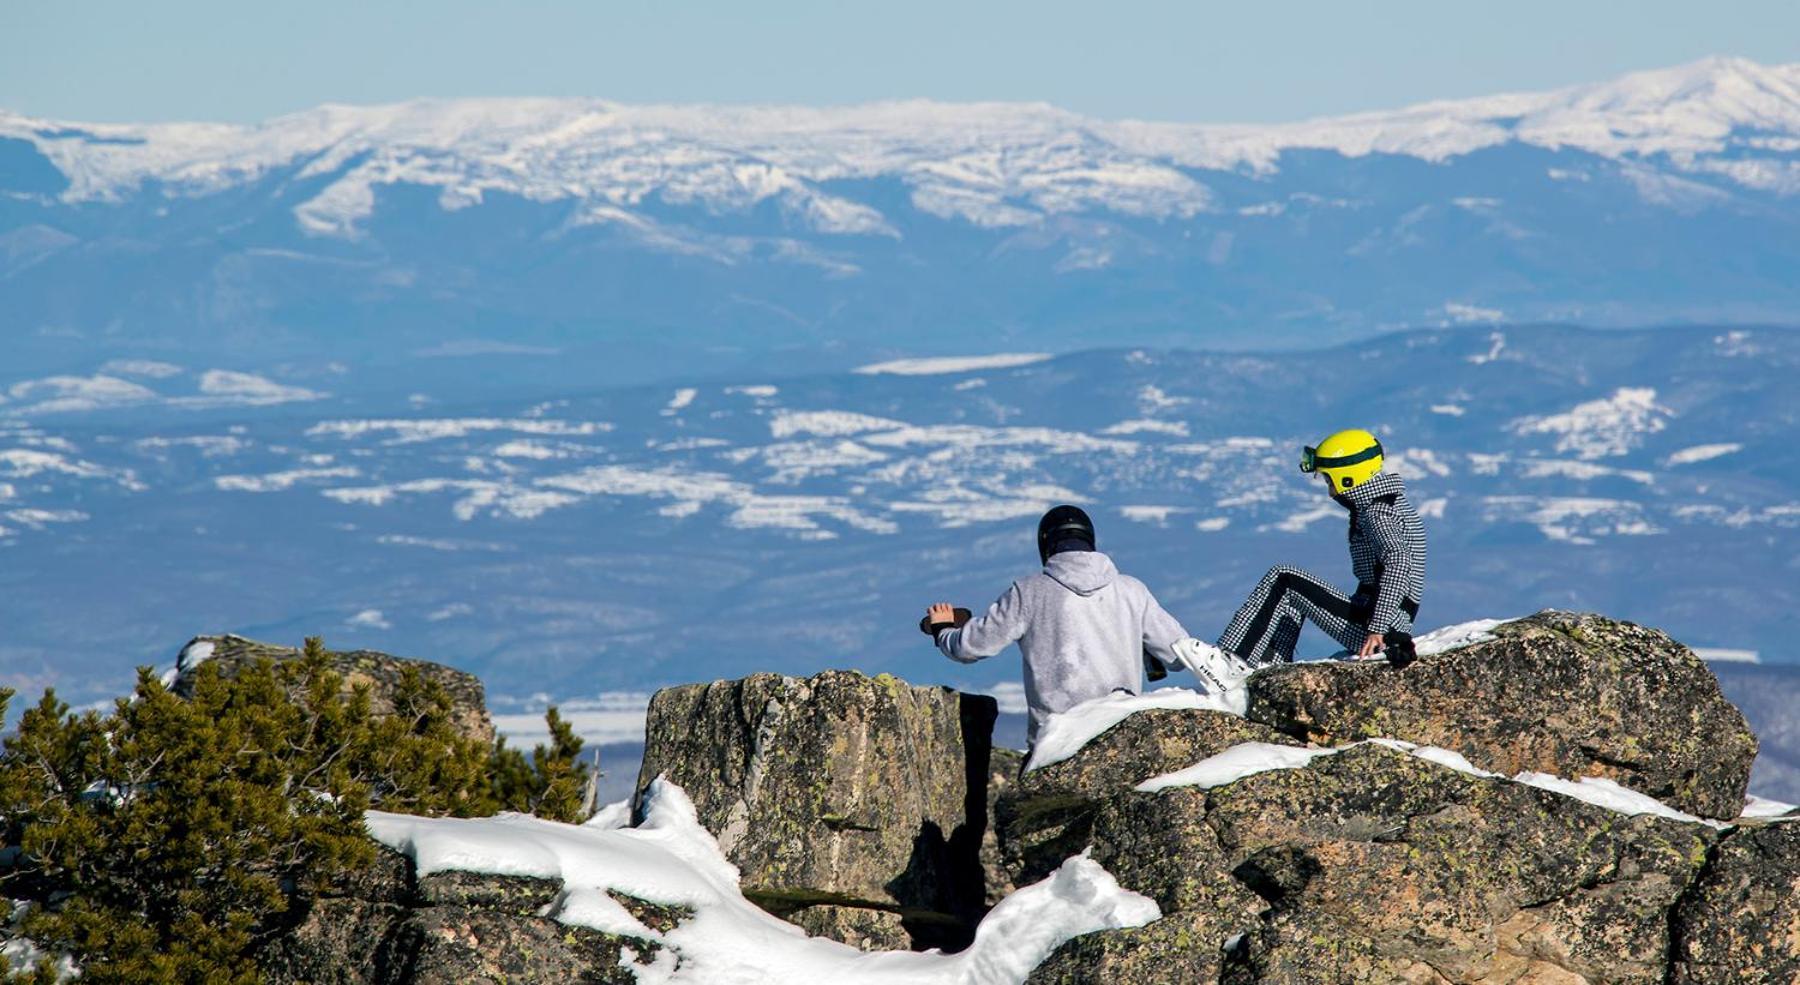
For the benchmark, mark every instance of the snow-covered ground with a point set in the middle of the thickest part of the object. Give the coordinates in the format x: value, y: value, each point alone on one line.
x: 670, y: 859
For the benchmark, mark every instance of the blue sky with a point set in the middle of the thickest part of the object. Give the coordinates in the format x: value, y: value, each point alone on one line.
x: 108, y: 60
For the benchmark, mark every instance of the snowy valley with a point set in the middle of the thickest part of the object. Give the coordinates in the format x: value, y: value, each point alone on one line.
x: 587, y: 549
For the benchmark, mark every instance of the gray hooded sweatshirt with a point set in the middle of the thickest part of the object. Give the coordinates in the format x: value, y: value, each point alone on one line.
x: 1081, y: 626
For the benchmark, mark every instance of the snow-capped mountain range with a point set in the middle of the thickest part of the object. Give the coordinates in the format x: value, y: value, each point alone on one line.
x: 993, y: 165
x: 832, y: 237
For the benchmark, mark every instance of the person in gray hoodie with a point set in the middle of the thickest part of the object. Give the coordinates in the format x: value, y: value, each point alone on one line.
x: 1083, y: 627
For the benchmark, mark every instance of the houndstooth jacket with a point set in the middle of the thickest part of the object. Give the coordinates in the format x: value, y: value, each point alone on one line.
x: 1387, y: 550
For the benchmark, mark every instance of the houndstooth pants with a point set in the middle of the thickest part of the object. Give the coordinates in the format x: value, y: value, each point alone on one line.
x: 1267, y: 627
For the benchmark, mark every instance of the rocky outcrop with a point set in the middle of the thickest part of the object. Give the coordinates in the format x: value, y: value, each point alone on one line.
x: 1567, y: 694
x: 1047, y: 814
x: 380, y: 672
x: 838, y: 793
x: 1373, y: 865
x: 389, y: 927
x: 859, y: 809
x: 1741, y: 920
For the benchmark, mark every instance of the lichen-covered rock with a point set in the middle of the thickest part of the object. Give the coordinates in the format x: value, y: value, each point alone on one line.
x: 1568, y: 694
x: 345, y: 935
x: 1045, y: 816
x: 1147, y: 744
x: 336, y: 941
x: 379, y: 671
x: 1741, y: 921
x: 1406, y: 867
x: 1179, y: 949
x: 1004, y: 766
x: 456, y: 945
x: 386, y: 927
x: 857, y: 926
x: 838, y: 789
x: 1375, y: 866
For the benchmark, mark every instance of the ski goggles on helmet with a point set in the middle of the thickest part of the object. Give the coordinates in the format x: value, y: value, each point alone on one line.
x: 1311, y: 461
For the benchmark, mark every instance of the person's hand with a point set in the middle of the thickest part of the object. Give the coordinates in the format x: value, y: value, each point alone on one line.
x: 940, y: 613
x: 1371, y: 646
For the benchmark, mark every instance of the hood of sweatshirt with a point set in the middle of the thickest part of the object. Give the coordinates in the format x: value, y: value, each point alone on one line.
x: 1380, y: 484
x: 1081, y: 572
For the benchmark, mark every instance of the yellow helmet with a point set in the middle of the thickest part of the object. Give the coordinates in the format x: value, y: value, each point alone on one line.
x: 1348, y: 459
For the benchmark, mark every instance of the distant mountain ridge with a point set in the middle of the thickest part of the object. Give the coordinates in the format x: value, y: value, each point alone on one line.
x: 1727, y: 117
x: 619, y: 234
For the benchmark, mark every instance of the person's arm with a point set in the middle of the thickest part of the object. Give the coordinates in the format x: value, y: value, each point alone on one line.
x: 1389, y: 535
x: 989, y: 633
x: 1161, y: 630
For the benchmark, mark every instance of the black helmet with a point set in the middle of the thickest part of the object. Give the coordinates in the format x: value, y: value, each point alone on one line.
x: 1060, y: 524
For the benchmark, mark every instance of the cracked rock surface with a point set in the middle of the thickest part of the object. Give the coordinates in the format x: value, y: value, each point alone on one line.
x: 838, y: 793
x: 1563, y: 693
x: 1376, y: 866
x: 389, y: 927
x: 1740, y: 922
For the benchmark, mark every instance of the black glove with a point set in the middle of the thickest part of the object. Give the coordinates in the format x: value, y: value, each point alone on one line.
x: 1399, y: 649
x: 931, y: 629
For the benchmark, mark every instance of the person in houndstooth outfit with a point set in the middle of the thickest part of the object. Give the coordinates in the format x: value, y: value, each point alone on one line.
x: 1387, y: 556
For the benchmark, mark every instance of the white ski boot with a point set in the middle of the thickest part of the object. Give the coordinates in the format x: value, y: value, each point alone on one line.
x: 1218, y: 670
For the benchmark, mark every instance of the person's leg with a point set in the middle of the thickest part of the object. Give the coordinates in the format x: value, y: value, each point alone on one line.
x: 1236, y: 638
x: 1267, y: 626
x: 1335, y: 615
x: 1284, y: 636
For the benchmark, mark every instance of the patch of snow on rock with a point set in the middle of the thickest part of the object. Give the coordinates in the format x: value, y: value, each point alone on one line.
x: 193, y: 655
x: 1251, y: 758
x: 670, y: 859
x: 1234, y: 764
x: 1602, y: 792
x: 1457, y: 636
x: 1762, y: 807
x: 1066, y: 732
